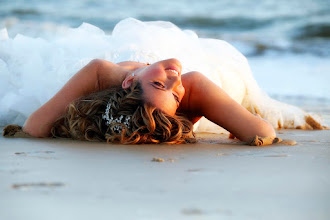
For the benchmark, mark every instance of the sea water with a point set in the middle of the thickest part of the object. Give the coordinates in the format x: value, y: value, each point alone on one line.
x: 287, y: 43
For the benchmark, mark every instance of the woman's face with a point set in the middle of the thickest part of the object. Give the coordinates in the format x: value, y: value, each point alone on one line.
x: 161, y: 84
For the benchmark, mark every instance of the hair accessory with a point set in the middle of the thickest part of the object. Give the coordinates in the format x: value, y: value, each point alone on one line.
x: 122, y: 119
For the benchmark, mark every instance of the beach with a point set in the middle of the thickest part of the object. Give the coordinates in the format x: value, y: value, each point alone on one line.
x: 287, y: 45
x: 217, y: 178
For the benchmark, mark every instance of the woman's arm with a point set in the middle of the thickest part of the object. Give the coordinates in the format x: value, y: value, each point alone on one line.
x: 204, y: 98
x: 95, y: 76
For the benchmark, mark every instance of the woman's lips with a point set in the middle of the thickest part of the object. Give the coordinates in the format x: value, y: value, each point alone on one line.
x: 173, y: 69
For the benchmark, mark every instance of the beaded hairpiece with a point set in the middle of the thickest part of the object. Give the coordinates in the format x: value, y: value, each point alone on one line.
x: 110, y: 119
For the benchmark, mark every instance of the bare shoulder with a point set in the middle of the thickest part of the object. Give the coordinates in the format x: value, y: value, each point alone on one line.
x: 109, y: 74
x: 112, y: 74
x: 193, y: 80
x: 131, y: 65
x: 107, y: 66
x: 193, y: 75
x: 190, y: 81
x: 101, y: 63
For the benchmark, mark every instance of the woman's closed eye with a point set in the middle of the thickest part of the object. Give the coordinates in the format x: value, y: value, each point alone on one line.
x: 176, y: 97
x: 158, y: 84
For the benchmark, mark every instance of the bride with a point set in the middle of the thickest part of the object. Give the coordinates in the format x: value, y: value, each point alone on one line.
x: 121, y: 98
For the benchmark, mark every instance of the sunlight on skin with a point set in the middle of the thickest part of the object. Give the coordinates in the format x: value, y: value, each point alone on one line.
x: 162, y: 86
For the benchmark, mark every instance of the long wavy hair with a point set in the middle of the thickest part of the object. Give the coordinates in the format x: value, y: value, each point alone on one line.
x: 147, y: 124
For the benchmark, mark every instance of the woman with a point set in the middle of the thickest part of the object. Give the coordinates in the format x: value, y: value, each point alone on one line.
x: 158, y: 91
x: 162, y: 88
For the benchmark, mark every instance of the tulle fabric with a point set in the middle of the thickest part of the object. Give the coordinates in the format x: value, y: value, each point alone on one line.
x: 32, y: 70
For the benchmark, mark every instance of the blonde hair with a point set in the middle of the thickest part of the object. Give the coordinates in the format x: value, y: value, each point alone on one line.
x: 148, y: 124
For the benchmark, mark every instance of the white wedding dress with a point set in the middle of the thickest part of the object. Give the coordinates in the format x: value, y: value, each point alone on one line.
x: 32, y: 70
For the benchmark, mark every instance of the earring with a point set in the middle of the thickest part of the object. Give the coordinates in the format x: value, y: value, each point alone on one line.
x: 133, y: 74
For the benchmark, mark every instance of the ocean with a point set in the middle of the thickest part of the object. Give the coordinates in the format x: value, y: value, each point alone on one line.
x: 287, y: 43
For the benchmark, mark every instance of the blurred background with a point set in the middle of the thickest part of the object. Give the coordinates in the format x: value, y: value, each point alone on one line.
x: 287, y: 43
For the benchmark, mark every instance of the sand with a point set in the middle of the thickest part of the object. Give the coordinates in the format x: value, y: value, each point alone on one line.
x: 217, y: 178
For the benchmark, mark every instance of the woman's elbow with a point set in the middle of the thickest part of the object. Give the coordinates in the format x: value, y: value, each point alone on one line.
x: 35, y: 132
x: 35, y: 129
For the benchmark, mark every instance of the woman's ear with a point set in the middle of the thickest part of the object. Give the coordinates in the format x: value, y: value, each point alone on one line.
x: 127, y: 82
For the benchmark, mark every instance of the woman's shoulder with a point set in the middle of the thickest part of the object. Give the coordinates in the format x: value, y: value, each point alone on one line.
x: 131, y: 65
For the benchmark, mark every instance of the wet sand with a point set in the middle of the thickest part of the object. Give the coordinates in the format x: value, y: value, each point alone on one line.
x: 217, y: 178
